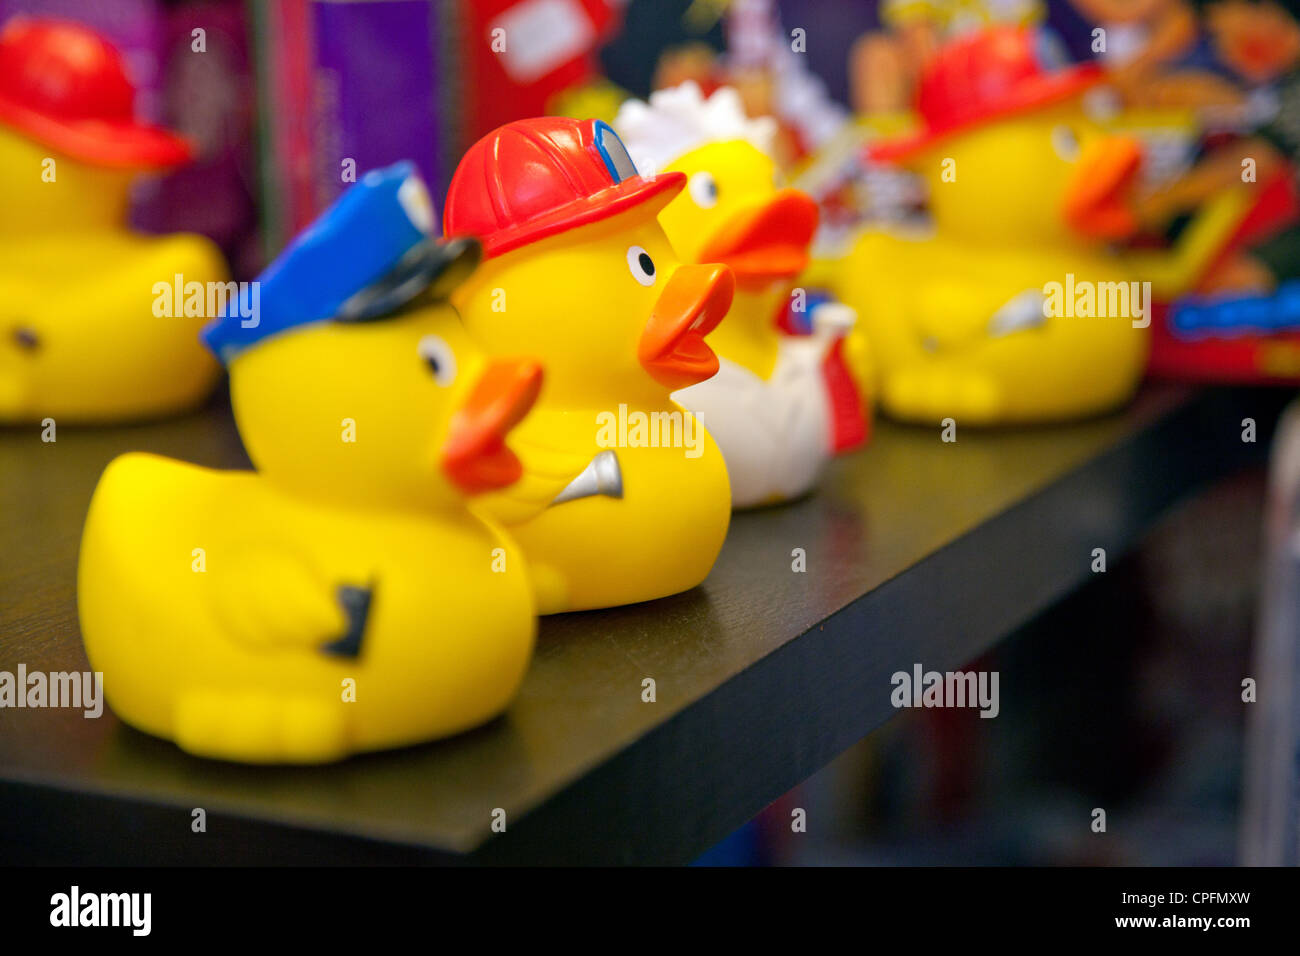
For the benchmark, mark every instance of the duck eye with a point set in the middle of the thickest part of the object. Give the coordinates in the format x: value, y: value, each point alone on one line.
x: 1066, y: 143
x: 438, y: 355
x: 641, y: 265
x: 703, y: 189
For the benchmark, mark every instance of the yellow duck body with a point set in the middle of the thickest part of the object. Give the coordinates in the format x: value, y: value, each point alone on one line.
x: 943, y: 354
x: 663, y: 532
x: 342, y: 598
x: 228, y: 661
x: 956, y: 318
x: 80, y: 340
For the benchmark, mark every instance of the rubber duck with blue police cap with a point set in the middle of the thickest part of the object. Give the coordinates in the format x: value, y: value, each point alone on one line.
x: 341, y: 597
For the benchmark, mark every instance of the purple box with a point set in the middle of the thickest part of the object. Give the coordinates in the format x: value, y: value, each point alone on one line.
x: 375, y: 89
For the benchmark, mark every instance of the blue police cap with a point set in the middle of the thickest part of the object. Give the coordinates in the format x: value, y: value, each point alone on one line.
x: 367, y: 255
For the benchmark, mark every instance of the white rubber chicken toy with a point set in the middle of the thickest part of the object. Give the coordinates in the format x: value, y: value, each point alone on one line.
x: 342, y: 597
x: 769, y: 406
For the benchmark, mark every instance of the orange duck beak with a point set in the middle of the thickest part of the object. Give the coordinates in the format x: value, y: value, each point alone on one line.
x: 672, y: 346
x: 768, y: 242
x: 476, y: 457
x: 1097, y: 199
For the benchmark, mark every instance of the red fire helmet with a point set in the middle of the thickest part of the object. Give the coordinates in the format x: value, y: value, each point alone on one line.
x: 988, y: 75
x: 65, y: 87
x: 535, y: 178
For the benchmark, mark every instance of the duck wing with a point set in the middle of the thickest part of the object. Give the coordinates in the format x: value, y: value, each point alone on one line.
x: 550, y: 478
x: 269, y: 599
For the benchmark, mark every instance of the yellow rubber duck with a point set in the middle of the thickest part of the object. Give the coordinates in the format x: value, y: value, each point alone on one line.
x: 86, y: 333
x: 342, y: 597
x: 625, y: 495
x: 770, y: 405
x: 1011, y: 309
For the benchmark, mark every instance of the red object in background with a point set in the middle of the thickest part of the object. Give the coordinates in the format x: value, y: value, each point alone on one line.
x: 1246, y: 358
x: 293, y: 19
x: 850, y: 426
x: 538, y: 177
x: 66, y: 87
x: 541, y: 48
x: 982, y: 77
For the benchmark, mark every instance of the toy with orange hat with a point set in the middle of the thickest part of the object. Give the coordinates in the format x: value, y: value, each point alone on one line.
x: 87, y: 333
x: 771, y: 405
x: 1012, y: 308
x: 624, y: 496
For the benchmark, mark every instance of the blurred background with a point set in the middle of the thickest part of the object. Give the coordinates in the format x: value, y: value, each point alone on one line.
x: 1116, y: 698
x: 289, y: 90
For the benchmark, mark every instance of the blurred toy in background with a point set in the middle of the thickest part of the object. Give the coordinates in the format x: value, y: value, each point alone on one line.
x: 664, y: 43
x: 86, y: 335
x: 342, y: 562
x: 737, y: 43
x: 852, y: 189
x: 1140, y: 35
x: 1158, y: 87
x: 693, y: 63
x: 769, y: 407
x: 625, y: 495
x: 770, y: 69
x: 886, y: 65
x: 1259, y: 40
x: 1154, y: 53
x: 1255, y: 39
x: 1011, y: 309
x: 774, y: 55
x: 1161, y: 55
x: 190, y: 63
x: 1242, y: 324
x: 516, y: 56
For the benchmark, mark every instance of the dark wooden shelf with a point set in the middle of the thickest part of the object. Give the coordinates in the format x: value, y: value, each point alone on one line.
x: 917, y: 552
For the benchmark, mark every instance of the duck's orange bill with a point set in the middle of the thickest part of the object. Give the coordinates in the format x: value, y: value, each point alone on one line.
x: 766, y: 243
x: 1097, y: 200
x: 672, y: 347
x: 476, y: 457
